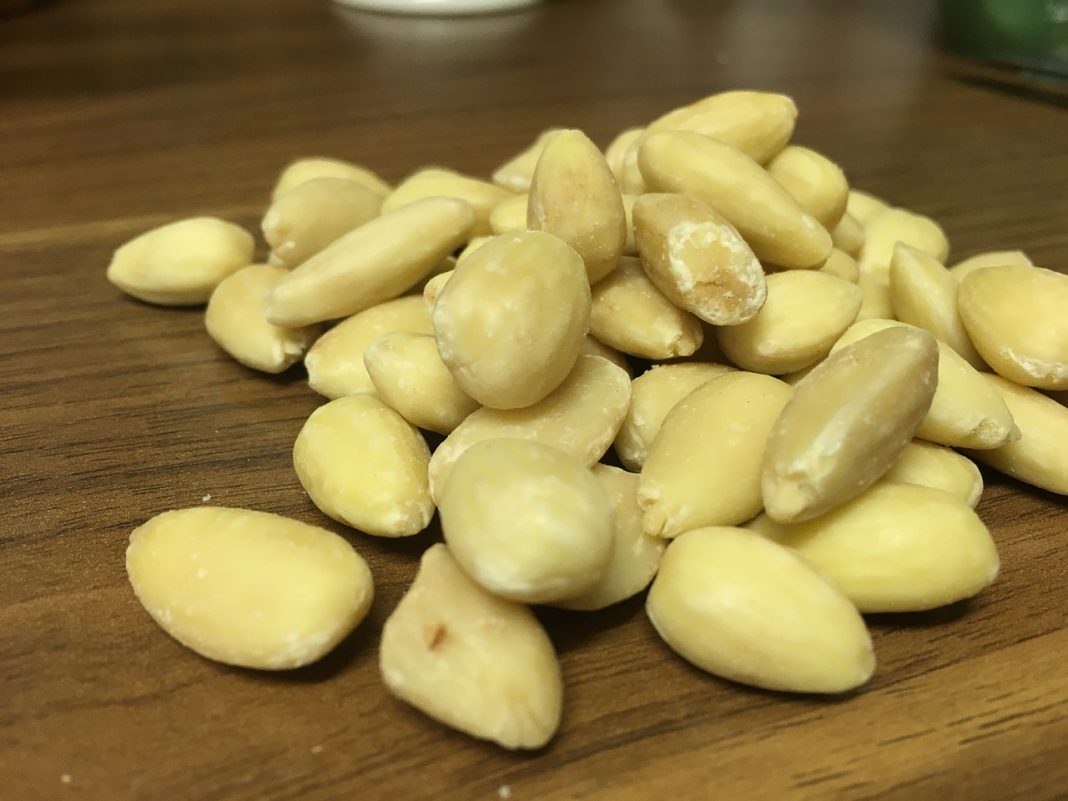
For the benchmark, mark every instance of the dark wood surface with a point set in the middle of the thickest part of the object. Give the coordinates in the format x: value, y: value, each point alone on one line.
x: 116, y: 115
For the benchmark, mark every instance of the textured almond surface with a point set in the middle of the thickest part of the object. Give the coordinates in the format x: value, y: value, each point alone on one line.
x: 771, y: 221
x: 527, y: 521
x: 437, y: 182
x: 335, y: 362
x: 181, y: 263
x: 364, y: 465
x: 510, y: 321
x: 938, y: 467
x: 631, y: 315
x: 581, y: 417
x: 236, y: 318
x: 307, y: 169
x: 374, y: 263
x: 697, y: 259
x: 1018, y: 321
x: 847, y: 422
x: 248, y: 588
x: 574, y: 196
x: 814, y: 181
x: 896, y: 548
x: 965, y: 411
x: 742, y: 607
x: 703, y: 467
x: 475, y: 662
x: 803, y: 316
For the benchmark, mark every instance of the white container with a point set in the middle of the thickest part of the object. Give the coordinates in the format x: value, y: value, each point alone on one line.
x: 439, y: 8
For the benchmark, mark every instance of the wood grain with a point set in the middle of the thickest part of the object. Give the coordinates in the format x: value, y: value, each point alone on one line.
x: 116, y: 115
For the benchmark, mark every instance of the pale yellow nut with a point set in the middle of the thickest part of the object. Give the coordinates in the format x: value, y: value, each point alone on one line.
x: 841, y: 265
x: 848, y: 236
x: 864, y: 206
x: 940, y: 468
x: 653, y: 394
x: 757, y: 123
x: 635, y: 555
x: 470, y: 660
x: 378, y: 261
x: 335, y: 362
x: 443, y: 267
x: 875, y: 296
x: 581, y: 417
x: 924, y: 293
x: 1018, y: 321
x: 510, y: 322
x: 364, y: 465
x: 410, y: 377
x: 805, y: 314
x: 307, y: 169
x: 236, y: 318
x: 772, y: 223
x: 703, y: 467
x: 591, y: 347
x: 793, y: 379
x: 1039, y: 456
x: 739, y: 606
x: 248, y: 588
x: 993, y: 258
x: 311, y: 215
x: 965, y: 412
x: 180, y: 263
x: 509, y: 215
x: 885, y: 230
x: 526, y: 521
x: 516, y: 173
x: 482, y: 196
x: 574, y: 197
x: 630, y: 248
x: 622, y: 151
x: 631, y: 181
x: 816, y: 183
x: 847, y: 422
x: 895, y: 548
x: 471, y: 247
x: 697, y: 259
x: 631, y: 315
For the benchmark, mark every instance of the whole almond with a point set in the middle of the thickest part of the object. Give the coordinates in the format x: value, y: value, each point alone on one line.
x: 308, y: 169
x: 475, y: 662
x: 864, y: 206
x: 847, y: 423
x: 509, y: 215
x: 940, y: 468
x: 816, y: 183
x: 883, y: 231
x: 516, y: 173
x: 841, y: 265
x: 437, y: 182
x: 993, y: 258
x: 621, y: 155
x: 848, y: 236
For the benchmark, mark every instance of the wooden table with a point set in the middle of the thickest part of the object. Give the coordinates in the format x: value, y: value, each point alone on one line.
x: 117, y: 115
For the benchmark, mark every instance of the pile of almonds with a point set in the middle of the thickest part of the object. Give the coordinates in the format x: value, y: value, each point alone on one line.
x: 807, y: 371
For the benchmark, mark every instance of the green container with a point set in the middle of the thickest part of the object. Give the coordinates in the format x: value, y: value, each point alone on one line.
x: 1029, y: 33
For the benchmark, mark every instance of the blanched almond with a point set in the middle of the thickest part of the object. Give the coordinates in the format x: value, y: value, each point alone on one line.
x: 476, y: 663
x: 1018, y: 321
x: 581, y: 418
x: 181, y: 263
x: 509, y: 215
x: 308, y: 169
x: 471, y: 247
x: 410, y: 377
x: 875, y: 289
x: 635, y: 555
x: 703, y: 467
x: 515, y: 174
x: 965, y: 412
x: 311, y: 215
x: 741, y: 607
x: 848, y: 236
x: 864, y: 206
x: 883, y: 231
x: 697, y: 259
x: 510, y: 322
x: 816, y: 183
x: 526, y: 521
x: 841, y: 265
x: 248, y: 588
x: 653, y: 394
x: 924, y: 293
x: 335, y: 362
x: 804, y: 315
x: 574, y: 196
x: 757, y: 123
x: 378, y: 261
x: 591, y: 347
x: 432, y: 288
x: 236, y: 318
x: 771, y: 221
x: 364, y: 465
x: 1038, y: 457
x: 437, y: 182
x: 621, y: 156
x: 940, y: 468
x: 895, y: 548
x: 847, y: 422
x: 993, y: 258
x: 630, y: 314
